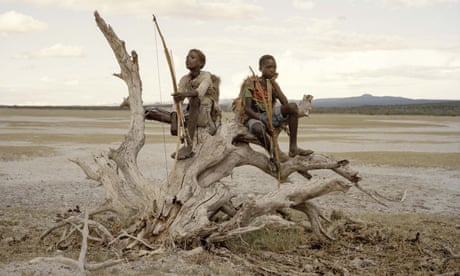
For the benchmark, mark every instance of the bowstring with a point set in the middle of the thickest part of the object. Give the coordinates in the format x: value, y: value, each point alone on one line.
x: 185, y: 133
x: 161, y: 102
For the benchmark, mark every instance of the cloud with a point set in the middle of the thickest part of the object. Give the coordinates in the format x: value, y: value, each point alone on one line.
x: 435, y: 64
x: 14, y: 22
x: 67, y: 82
x: 303, y: 4
x: 414, y: 72
x: 47, y: 79
x: 418, y: 3
x: 197, y: 9
x: 57, y: 50
x: 71, y: 82
x: 316, y: 34
x: 341, y: 41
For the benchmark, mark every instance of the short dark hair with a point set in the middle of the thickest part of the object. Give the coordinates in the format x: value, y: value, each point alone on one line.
x: 201, y: 56
x: 264, y: 58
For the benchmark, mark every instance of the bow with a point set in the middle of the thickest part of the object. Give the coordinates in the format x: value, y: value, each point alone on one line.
x: 267, y: 99
x: 180, y: 114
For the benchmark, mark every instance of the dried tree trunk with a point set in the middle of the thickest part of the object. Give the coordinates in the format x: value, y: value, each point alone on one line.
x: 184, y: 207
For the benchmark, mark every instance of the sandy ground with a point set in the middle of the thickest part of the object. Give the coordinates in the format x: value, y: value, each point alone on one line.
x: 54, y: 183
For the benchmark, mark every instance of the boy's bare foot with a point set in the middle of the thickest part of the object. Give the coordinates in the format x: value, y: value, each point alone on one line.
x: 299, y: 151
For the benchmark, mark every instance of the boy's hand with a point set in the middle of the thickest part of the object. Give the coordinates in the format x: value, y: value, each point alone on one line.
x: 178, y: 97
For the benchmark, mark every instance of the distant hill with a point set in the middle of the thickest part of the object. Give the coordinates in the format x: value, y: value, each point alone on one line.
x: 367, y: 99
x: 360, y: 101
x: 364, y: 104
x: 446, y: 108
x: 386, y: 105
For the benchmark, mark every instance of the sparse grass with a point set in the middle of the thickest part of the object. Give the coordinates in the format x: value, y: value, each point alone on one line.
x: 49, y: 138
x: 20, y: 229
x: 319, y: 127
x: 380, y: 245
x: 92, y: 114
x: 450, y: 161
x: 451, y: 108
x: 108, y: 124
x: 269, y: 239
x: 98, y: 138
x: 341, y: 121
x: 14, y: 153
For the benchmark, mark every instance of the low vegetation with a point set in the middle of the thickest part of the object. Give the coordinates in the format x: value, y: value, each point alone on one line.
x: 450, y: 108
x: 15, y: 153
x: 368, y: 244
x: 450, y: 161
x: 436, y: 109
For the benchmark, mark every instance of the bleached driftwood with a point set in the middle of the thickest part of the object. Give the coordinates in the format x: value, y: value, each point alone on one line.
x: 185, y: 207
x: 81, y: 265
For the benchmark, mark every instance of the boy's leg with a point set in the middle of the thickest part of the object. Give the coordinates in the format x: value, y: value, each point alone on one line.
x: 186, y: 151
x: 194, y: 111
x: 291, y: 111
x: 161, y: 115
x: 174, y: 123
x: 257, y: 128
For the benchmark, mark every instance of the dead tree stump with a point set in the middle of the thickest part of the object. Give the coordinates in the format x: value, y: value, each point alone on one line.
x: 184, y: 207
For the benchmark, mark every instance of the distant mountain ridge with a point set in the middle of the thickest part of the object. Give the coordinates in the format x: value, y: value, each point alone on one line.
x: 363, y: 100
x: 368, y: 99
x: 346, y: 102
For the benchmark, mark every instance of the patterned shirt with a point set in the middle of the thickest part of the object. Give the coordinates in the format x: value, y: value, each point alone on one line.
x: 258, y: 96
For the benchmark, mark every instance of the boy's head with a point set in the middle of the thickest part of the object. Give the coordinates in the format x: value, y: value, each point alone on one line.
x: 195, y: 56
x: 267, y: 65
x: 265, y: 58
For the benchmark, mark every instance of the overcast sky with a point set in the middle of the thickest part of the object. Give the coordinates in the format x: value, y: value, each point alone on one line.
x: 52, y: 52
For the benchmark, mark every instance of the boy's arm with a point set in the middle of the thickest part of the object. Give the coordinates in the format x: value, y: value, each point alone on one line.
x: 205, y: 83
x: 182, y: 89
x: 248, y: 109
x: 278, y: 93
x: 246, y: 91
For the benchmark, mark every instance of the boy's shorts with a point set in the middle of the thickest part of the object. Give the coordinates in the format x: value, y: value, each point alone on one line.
x: 277, y: 118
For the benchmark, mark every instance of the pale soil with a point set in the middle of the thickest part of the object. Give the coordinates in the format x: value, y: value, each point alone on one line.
x: 54, y: 184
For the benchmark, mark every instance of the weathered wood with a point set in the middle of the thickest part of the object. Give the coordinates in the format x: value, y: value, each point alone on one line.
x: 183, y: 207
